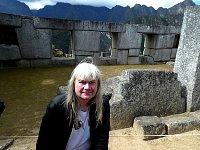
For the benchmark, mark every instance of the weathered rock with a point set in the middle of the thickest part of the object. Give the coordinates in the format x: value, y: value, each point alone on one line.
x: 173, y: 54
x: 150, y: 127
x: 159, y: 54
x: 86, y: 40
x: 181, y: 123
x: 146, y: 59
x: 134, y: 52
x: 144, y: 93
x: 9, y: 52
x: 131, y: 38
x: 187, y: 63
x: 134, y: 60
x: 162, y: 41
x: 122, y: 57
x: 34, y: 43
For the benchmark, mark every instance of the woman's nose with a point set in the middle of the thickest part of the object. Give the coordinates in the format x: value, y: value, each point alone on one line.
x: 86, y: 86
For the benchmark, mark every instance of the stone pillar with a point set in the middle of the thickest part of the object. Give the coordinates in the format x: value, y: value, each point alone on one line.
x: 128, y: 42
x: 33, y: 43
x: 86, y: 40
x: 130, y: 39
x: 85, y: 43
x: 122, y: 57
x: 187, y: 63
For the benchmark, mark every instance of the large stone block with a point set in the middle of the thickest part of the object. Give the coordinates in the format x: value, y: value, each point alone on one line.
x: 149, y: 127
x: 173, y: 53
x: 86, y: 40
x: 153, y: 91
x: 129, y: 39
x: 177, y: 124
x: 10, y: 20
x: 187, y: 63
x: 158, y: 54
x: 98, y: 26
x: 9, y: 52
x: 114, y: 53
x: 146, y: 59
x: 134, y: 52
x: 162, y: 55
x: 159, y: 29
x: 122, y: 57
x: 34, y: 43
x: 83, y: 53
x: 156, y: 41
x: 52, y: 23
x: 144, y: 93
x: 133, y: 60
x: 107, y: 61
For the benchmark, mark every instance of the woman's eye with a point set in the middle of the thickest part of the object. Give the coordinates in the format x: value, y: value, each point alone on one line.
x: 91, y: 82
x: 87, y: 82
x: 82, y: 82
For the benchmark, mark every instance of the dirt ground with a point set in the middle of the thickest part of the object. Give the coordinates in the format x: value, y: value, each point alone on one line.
x: 126, y: 139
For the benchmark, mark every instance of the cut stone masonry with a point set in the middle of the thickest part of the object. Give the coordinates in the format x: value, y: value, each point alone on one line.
x: 151, y: 127
x: 131, y: 43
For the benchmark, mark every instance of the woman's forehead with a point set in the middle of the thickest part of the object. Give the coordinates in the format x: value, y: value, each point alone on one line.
x: 82, y: 78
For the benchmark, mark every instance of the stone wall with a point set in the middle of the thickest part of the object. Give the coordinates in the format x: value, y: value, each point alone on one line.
x: 34, y: 41
x: 159, y: 46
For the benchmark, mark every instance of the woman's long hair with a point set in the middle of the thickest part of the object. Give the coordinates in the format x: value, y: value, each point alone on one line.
x: 89, y: 71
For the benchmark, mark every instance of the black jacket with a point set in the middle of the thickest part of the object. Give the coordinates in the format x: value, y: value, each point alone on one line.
x: 55, y: 129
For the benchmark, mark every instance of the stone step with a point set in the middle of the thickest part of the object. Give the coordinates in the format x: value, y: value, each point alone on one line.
x: 150, y: 127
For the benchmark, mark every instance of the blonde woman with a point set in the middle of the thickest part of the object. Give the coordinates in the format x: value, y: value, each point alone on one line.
x: 79, y: 119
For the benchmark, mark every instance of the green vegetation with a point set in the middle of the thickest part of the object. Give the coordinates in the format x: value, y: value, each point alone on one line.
x: 61, y: 39
x: 105, y: 41
x: 26, y: 93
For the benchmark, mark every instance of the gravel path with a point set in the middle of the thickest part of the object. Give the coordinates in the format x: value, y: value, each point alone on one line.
x: 126, y: 139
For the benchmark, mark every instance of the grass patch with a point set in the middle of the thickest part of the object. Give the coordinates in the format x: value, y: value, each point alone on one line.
x: 110, y: 71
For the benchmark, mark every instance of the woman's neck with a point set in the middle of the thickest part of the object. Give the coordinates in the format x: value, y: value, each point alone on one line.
x: 83, y: 105
x: 85, y: 108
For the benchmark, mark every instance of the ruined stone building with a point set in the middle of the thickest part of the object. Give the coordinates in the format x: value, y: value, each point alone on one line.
x: 27, y: 41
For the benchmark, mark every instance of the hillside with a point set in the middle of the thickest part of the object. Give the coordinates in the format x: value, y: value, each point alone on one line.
x: 118, y: 14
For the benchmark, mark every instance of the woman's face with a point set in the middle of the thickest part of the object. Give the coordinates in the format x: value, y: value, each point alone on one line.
x: 85, y: 89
